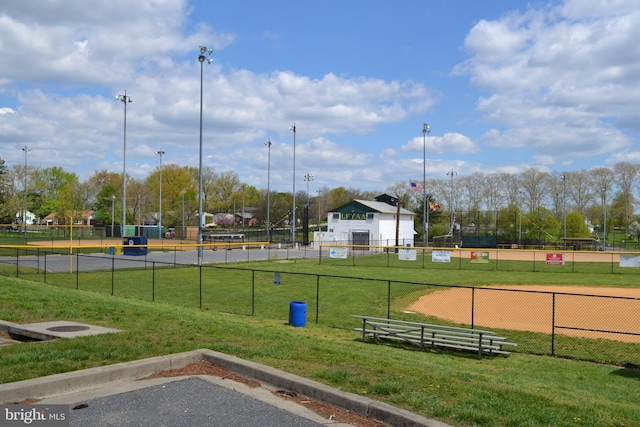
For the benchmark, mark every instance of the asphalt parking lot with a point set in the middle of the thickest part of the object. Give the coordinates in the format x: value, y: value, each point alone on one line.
x: 128, y: 394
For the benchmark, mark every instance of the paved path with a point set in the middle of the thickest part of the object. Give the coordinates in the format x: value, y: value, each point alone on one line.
x: 99, y: 261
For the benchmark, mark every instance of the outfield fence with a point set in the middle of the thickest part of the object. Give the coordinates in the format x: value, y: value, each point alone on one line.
x: 526, y: 260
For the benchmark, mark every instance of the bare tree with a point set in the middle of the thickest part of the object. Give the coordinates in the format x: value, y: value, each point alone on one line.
x: 626, y: 176
x: 602, y: 180
x: 493, y: 192
x: 511, y: 189
x: 534, y: 184
x: 556, y: 183
x: 579, y: 190
x: 473, y: 186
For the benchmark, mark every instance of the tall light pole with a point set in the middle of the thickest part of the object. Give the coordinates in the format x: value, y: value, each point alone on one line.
x: 451, y: 173
x: 125, y: 100
x: 319, y: 195
x: 160, y: 153
x: 183, y: 233
x: 425, y: 222
x: 204, y: 54
x: 268, y: 144
x: 520, y: 194
x: 24, y: 214
x: 308, y: 177
x: 243, y: 191
x: 113, y: 211
x: 604, y: 212
x: 293, y: 211
x: 564, y: 207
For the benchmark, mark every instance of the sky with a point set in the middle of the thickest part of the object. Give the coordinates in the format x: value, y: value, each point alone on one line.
x: 503, y: 85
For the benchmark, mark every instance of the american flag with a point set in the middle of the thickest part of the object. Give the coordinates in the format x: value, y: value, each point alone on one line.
x: 416, y: 186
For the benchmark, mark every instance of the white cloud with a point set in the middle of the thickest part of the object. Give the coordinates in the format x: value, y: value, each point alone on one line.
x: 560, y: 79
x: 449, y: 142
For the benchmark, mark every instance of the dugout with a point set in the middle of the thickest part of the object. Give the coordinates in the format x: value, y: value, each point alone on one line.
x: 580, y: 243
x: 479, y: 241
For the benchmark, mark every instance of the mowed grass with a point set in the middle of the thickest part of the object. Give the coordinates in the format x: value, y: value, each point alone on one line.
x: 454, y: 387
x: 333, y: 292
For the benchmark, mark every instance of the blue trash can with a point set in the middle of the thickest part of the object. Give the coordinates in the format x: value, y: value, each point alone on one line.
x: 297, y: 313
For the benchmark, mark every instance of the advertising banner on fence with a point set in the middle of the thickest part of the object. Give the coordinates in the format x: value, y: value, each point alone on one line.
x: 338, y: 252
x: 629, y: 260
x: 441, y: 256
x: 480, y: 257
x: 407, y: 255
x: 555, y: 259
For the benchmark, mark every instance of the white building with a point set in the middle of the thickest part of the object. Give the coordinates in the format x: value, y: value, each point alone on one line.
x: 363, y: 222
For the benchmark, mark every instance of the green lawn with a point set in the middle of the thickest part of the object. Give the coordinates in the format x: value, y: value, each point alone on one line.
x: 335, y: 292
x: 455, y: 387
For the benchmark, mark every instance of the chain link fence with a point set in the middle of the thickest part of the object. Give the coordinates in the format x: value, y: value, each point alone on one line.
x: 576, y: 324
x: 524, y: 260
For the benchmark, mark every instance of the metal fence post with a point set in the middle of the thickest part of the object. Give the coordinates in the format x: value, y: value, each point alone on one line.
x: 113, y: 271
x: 553, y: 323
x: 388, y: 299
x: 253, y: 292
x: 200, y: 268
x: 473, y: 305
x: 153, y: 281
x: 317, y: 297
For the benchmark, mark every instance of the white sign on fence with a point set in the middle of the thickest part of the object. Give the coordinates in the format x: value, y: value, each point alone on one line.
x: 629, y: 260
x: 407, y: 255
x: 441, y: 256
x: 338, y: 252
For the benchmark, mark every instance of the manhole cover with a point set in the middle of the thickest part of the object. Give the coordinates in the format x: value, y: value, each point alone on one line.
x: 69, y: 328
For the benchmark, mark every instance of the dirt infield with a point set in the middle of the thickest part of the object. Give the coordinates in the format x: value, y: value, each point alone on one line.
x: 575, y: 307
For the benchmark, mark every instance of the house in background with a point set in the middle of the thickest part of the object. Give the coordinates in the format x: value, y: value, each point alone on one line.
x: 364, y: 222
x: 30, y: 218
x: 79, y: 218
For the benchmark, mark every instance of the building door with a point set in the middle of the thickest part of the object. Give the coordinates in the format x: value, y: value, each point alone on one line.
x: 360, y: 238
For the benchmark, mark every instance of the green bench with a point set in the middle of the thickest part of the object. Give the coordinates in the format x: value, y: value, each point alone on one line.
x: 429, y: 335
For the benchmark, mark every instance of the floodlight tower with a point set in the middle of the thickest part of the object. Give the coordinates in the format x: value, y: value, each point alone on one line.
x: 293, y: 211
x: 125, y: 99
x: 425, y: 222
x: 205, y: 54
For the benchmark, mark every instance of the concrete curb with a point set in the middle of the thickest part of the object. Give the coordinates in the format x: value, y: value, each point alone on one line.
x: 94, y: 378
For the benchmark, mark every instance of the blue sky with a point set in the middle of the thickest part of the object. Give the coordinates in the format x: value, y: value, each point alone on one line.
x: 504, y: 86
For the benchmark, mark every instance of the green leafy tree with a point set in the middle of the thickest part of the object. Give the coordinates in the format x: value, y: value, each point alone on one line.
x: 106, y: 206
x: 634, y: 230
x: 5, y: 193
x: 576, y: 225
x: 46, y: 184
x: 543, y: 224
x: 70, y: 203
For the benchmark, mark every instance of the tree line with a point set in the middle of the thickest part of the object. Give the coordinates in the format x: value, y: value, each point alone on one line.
x: 543, y: 197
